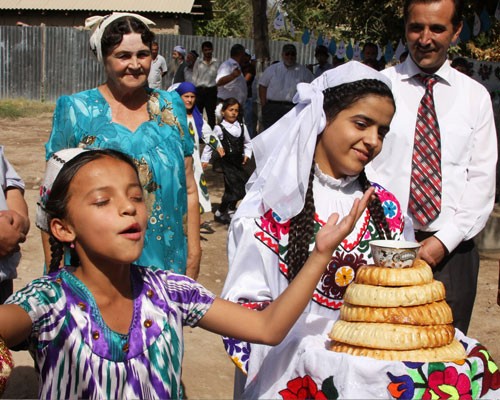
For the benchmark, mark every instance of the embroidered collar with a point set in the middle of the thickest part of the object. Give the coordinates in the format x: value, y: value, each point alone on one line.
x: 332, y: 182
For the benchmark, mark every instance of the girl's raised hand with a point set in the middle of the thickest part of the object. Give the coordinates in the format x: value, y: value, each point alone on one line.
x: 332, y: 233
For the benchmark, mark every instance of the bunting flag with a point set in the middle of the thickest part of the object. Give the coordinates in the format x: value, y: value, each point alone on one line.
x: 379, y: 52
x: 400, y: 49
x: 292, y: 29
x: 332, y: 48
x: 465, y: 34
x: 319, y: 42
x: 485, y: 21
x: 279, y: 21
x: 357, y: 52
x: 306, y: 36
x: 477, y: 25
x: 349, y: 52
x: 497, y: 11
x: 340, y: 52
x: 389, y: 52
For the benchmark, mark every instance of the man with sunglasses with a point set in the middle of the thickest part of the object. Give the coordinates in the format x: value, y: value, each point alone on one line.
x: 278, y: 85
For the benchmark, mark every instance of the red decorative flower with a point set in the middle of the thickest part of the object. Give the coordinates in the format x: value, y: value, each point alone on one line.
x: 491, y: 376
x: 302, y: 388
x: 273, y: 227
x: 448, y: 384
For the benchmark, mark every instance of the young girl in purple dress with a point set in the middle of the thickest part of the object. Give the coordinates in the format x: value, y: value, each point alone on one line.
x: 107, y: 328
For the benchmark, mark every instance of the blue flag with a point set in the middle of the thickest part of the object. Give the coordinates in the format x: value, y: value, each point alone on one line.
x: 465, y: 34
x: 485, y: 21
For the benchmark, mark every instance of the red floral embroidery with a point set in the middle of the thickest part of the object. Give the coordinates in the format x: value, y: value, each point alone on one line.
x: 491, y: 377
x: 302, y: 388
x: 448, y: 384
x: 274, y: 228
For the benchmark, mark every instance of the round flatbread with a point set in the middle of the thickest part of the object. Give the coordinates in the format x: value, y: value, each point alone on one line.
x: 437, y: 313
x: 392, y: 336
x: 451, y: 352
x: 420, y: 273
x: 379, y: 296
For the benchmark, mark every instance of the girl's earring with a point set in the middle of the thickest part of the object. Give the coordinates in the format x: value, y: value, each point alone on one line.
x: 72, y: 245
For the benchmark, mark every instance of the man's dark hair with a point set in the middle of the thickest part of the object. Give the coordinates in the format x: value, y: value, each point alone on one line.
x: 456, y: 19
x: 207, y: 44
x: 237, y: 49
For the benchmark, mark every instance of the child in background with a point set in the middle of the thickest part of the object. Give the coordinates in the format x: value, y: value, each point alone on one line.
x: 14, y: 224
x: 237, y: 150
x: 108, y: 328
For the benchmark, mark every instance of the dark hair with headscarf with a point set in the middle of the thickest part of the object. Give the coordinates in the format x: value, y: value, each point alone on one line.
x: 188, y: 87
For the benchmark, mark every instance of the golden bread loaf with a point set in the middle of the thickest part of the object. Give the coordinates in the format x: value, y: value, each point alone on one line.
x: 392, y: 336
x: 436, y: 313
x: 380, y: 296
x: 419, y: 274
x: 451, y: 352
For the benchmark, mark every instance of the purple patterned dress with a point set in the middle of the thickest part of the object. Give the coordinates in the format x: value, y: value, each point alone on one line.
x: 80, y: 357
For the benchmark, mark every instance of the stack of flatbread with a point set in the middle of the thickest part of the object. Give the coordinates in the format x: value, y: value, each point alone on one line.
x: 397, y: 314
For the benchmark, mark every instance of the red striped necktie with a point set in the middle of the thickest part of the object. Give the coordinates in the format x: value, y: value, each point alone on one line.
x: 425, y: 186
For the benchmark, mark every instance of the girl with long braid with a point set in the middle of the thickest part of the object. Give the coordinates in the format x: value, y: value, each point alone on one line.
x: 309, y: 164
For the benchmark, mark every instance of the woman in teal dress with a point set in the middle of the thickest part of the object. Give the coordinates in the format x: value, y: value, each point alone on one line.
x: 150, y: 126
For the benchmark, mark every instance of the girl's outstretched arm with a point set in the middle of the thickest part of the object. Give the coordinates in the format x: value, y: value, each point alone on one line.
x: 15, y: 324
x: 271, y: 325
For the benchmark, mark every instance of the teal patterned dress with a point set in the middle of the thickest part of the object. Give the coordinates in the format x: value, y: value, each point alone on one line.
x: 158, y: 147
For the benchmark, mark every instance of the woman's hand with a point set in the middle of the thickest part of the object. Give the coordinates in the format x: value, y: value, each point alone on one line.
x: 332, y: 233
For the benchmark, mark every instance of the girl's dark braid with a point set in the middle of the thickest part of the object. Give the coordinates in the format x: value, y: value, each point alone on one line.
x: 56, y: 253
x: 376, y: 209
x: 301, y: 232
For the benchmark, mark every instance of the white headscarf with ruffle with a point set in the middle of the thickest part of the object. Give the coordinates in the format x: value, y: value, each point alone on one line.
x: 284, y: 152
x: 99, y: 23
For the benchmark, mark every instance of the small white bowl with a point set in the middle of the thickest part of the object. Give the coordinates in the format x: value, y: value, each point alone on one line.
x: 394, y: 253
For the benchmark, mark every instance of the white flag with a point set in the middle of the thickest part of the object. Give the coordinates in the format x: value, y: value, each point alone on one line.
x: 357, y: 52
x: 340, y: 53
x: 477, y: 25
x: 400, y: 49
x: 279, y: 21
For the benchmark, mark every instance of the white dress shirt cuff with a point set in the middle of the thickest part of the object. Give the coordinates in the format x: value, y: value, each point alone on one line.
x: 450, y: 236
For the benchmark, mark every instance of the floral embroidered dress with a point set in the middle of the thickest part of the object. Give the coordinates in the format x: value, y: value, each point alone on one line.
x: 302, y: 366
x: 257, y: 269
x: 78, y: 356
x: 158, y: 147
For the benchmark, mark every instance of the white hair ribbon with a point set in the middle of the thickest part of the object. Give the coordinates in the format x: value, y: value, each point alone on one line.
x: 99, y: 23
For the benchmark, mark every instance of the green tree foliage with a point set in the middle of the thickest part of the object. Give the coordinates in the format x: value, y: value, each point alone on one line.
x: 358, y: 20
x: 382, y: 21
x: 232, y: 18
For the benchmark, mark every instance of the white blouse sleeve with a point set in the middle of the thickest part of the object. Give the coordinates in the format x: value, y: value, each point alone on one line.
x: 251, y: 265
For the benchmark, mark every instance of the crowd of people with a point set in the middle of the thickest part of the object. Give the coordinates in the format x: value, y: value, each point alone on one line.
x: 344, y: 153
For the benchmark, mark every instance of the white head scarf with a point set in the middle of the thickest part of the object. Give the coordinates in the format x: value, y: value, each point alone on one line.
x: 99, y: 23
x: 284, y: 152
x: 54, y: 166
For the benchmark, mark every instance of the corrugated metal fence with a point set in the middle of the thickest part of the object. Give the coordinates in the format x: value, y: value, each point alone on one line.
x: 42, y: 63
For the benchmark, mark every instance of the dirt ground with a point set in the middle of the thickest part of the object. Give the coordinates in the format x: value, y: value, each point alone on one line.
x: 208, y: 372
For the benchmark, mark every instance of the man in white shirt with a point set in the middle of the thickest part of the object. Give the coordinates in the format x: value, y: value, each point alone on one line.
x: 204, y: 78
x: 158, y: 68
x: 230, y: 80
x: 468, y: 151
x: 278, y: 85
